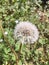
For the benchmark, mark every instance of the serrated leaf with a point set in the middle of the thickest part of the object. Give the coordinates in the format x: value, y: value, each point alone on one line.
x: 42, y: 41
x: 6, y: 50
x: 20, y: 62
x: 13, y: 57
x: 17, y: 46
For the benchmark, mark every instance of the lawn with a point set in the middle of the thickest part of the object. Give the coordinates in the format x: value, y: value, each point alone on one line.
x: 12, y: 51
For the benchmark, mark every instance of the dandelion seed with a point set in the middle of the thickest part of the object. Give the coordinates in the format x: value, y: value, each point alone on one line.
x: 6, y: 33
x: 26, y: 32
x: 1, y: 40
x: 16, y: 21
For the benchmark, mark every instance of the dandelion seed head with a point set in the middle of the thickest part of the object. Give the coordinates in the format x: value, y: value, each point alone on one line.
x: 26, y: 32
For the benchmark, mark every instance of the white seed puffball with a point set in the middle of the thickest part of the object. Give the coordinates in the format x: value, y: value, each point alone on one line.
x: 26, y: 32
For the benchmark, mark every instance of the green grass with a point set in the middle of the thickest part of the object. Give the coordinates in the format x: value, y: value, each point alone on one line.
x: 31, y: 54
